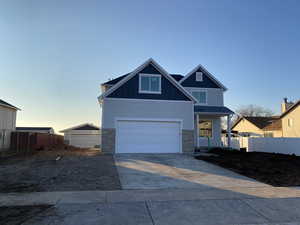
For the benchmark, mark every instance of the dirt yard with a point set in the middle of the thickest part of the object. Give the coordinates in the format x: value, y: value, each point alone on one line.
x: 76, y: 170
x: 270, y: 168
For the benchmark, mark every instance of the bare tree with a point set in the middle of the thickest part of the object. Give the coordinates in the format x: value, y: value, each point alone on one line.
x: 254, y: 110
x: 247, y: 110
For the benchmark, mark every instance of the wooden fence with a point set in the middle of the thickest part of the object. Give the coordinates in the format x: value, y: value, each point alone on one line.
x: 28, y: 142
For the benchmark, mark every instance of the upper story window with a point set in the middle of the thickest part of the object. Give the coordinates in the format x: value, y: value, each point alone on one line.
x: 290, y: 122
x: 150, y: 83
x: 201, y: 96
x: 199, y: 76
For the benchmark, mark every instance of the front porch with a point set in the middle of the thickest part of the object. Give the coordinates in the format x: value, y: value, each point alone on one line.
x: 208, y: 125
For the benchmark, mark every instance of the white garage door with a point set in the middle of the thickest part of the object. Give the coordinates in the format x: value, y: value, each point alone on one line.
x: 85, y: 140
x: 148, y: 137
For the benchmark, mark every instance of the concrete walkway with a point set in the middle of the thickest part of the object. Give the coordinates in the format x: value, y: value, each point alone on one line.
x: 259, y: 205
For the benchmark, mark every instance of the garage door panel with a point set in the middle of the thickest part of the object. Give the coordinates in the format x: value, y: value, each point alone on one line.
x: 147, y: 137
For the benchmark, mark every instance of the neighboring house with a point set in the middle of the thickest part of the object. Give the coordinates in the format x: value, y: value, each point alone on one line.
x: 152, y: 111
x: 45, y: 130
x: 8, y: 114
x: 290, y: 120
x: 285, y: 125
x: 256, y: 126
x: 82, y: 136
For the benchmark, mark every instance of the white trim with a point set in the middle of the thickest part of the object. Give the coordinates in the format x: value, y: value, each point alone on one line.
x: 180, y: 121
x: 206, y: 73
x: 149, y: 75
x: 197, y: 130
x: 137, y: 70
x: 148, y: 100
x: 81, y: 125
x: 200, y: 103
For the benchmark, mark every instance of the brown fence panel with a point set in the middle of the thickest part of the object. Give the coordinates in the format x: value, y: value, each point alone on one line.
x: 27, y: 141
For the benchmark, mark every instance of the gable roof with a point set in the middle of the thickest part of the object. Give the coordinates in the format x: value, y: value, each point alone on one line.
x: 208, y: 74
x: 3, y: 103
x: 290, y: 109
x: 275, y: 125
x: 116, y: 80
x: 177, y: 77
x: 259, y: 121
x: 85, y: 126
x: 33, y: 128
x: 141, y: 67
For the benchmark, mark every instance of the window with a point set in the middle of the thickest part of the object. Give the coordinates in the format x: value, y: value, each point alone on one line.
x: 200, y: 96
x: 205, y: 128
x: 150, y: 83
x: 290, y: 122
x: 268, y: 134
x: 199, y: 76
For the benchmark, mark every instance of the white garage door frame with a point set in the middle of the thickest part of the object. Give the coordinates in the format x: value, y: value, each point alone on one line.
x: 180, y: 121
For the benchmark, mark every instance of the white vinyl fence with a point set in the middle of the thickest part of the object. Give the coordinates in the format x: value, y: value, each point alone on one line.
x: 266, y: 144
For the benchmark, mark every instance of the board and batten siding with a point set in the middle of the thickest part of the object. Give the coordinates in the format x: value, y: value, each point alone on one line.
x: 214, y: 95
x: 7, y: 125
x: 139, y: 109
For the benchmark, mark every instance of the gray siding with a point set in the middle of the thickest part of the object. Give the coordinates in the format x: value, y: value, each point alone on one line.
x: 214, y: 95
x: 114, y: 108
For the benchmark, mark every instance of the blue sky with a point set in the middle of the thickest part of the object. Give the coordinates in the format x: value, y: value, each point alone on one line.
x: 55, y: 54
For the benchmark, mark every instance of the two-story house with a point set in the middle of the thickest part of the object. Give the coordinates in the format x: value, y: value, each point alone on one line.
x: 151, y: 111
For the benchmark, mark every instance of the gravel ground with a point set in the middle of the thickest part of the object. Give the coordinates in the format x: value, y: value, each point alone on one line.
x: 75, y: 171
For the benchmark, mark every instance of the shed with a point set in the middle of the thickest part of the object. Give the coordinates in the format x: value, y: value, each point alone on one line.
x: 8, y: 114
x: 83, y: 136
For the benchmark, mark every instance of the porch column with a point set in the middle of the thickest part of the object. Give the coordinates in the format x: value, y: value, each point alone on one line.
x: 197, y: 130
x: 228, y: 131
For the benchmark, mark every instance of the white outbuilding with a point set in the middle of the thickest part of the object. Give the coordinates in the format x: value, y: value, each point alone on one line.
x: 8, y: 114
x: 83, y: 136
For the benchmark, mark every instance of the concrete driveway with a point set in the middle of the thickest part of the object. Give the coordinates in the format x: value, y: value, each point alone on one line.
x: 173, y: 171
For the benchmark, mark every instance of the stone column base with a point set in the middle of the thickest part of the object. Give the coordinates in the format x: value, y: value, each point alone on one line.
x: 108, y: 140
x: 188, y: 141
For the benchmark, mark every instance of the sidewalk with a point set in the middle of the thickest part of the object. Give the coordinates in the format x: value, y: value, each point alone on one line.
x: 258, y: 205
x: 79, y: 197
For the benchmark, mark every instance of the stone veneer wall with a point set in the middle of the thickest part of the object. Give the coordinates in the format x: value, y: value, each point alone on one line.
x: 108, y: 140
x: 188, y: 141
